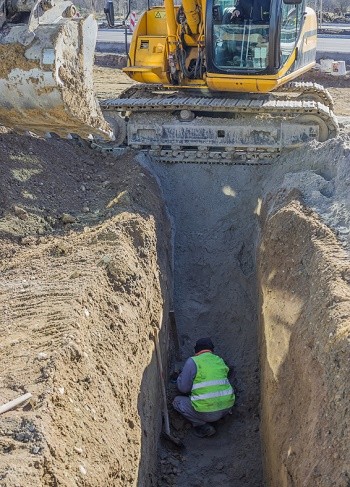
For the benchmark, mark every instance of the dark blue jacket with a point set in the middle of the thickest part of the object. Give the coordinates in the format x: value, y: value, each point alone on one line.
x: 254, y: 10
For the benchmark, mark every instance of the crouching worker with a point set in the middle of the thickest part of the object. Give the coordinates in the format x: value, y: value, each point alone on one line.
x: 210, y: 394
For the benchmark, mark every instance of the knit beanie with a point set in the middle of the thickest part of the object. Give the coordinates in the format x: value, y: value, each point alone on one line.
x: 203, y: 344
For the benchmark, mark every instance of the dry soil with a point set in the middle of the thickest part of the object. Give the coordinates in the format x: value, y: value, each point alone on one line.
x: 83, y: 281
x: 93, y: 247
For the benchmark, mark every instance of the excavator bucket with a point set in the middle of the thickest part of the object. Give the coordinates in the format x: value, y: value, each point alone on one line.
x: 46, y: 71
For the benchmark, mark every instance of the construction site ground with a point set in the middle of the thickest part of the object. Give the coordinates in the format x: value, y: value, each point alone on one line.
x: 94, y: 246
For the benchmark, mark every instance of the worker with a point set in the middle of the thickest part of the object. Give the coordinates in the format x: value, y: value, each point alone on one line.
x: 210, y: 394
x: 242, y: 10
x: 254, y: 10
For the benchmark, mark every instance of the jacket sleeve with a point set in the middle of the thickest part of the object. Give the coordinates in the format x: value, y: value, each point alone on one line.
x: 186, y: 378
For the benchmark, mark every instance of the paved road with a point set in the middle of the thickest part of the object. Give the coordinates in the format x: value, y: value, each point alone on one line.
x: 111, y: 35
x: 335, y: 26
x: 325, y: 44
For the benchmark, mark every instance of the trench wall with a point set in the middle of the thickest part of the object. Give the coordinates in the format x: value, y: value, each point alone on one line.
x: 80, y: 343
x: 78, y: 302
x: 304, y: 277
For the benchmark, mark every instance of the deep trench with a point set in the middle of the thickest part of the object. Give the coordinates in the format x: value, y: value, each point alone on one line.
x: 214, y: 211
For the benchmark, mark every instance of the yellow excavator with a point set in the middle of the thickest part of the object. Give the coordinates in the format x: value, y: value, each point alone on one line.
x: 215, y: 79
x: 217, y: 84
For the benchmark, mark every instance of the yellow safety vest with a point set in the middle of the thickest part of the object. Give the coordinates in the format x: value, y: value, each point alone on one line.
x: 211, y: 390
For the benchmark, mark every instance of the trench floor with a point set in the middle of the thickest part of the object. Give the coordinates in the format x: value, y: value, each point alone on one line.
x: 215, y: 219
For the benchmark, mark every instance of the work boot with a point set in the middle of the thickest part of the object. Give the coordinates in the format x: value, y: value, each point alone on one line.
x: 204, y: 430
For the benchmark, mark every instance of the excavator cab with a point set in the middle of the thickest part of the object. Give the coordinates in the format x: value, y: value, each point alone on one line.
x: 239, y: 46
x: 264, y: 40
x: 251, y: 46
x: 249, y: 41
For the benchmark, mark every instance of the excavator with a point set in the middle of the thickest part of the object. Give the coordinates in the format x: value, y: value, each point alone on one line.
x: 215, y: 79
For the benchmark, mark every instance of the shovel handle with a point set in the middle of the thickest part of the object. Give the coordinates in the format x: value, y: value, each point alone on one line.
x: 16, y: 402
x: 162, y: 384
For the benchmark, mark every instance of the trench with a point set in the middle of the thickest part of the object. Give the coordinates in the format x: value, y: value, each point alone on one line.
x: 99, y: 409
x: 215, y: 221
x: 257, y: 269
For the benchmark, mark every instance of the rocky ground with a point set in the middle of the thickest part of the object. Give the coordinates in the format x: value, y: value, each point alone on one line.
x: 86, y: 266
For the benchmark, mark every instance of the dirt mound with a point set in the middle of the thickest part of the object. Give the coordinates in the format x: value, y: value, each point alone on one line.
x: 116, y: 60
x: 83, y: 279
x: 327, y: 80
x: 304, y: 279
x: 305, y: 318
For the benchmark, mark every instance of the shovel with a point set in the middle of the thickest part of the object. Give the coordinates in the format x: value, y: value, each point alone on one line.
x: 167, y: 434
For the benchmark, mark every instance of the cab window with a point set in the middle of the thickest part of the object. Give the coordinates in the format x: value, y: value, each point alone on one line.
x: 291, y: 22
x: 241, y: 41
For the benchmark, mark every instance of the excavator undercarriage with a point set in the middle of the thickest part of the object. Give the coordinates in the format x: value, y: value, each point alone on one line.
x: 179, y: 126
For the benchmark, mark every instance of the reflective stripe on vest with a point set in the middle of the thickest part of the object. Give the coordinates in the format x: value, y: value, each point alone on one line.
x: 211, y: 390
x: 219, y: 382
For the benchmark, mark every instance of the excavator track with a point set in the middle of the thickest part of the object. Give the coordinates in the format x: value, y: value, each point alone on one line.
x: 293, y: 90
x: 175, y: 127
x: 307, y: 89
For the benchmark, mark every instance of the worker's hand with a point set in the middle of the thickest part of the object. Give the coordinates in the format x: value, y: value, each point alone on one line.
x: 236, y: 13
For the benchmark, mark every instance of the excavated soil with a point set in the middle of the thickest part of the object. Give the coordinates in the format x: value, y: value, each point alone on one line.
x: 305, y: 318
x: 92, y: 248
x: 84, y: 245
